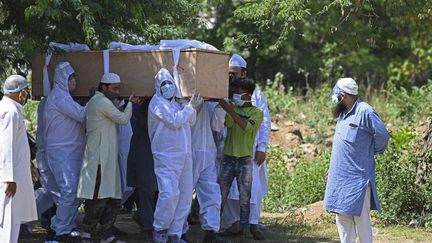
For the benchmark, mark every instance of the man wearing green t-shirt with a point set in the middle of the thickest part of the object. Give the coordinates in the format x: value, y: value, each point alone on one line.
x: 243, y: 121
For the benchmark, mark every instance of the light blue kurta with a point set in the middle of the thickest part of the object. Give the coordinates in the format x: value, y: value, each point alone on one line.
x: 359, y: 135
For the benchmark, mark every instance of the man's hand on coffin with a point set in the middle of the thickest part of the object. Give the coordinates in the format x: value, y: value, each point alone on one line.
x: 226, y: 105
x: 140, y: 101
x: 134, y: 99
x: 196, y: 101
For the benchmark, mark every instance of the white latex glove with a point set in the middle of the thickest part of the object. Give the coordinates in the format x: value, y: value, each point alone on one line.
x: 196, y: 101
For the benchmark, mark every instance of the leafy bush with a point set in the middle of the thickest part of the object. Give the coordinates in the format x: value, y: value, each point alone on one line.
x: 30, y: 115
x: 401, y: 199
x: 278, y: 175
x: 278, y: 98
x: 306, y: 185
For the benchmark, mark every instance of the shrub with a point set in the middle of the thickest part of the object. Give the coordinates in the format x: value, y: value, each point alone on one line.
x: 306, y: 185
x: 401, y: 199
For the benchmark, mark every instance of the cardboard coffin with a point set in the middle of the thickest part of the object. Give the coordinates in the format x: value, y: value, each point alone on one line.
x: 200, y: 71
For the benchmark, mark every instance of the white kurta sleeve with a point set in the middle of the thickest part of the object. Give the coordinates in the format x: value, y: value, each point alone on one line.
x: 263, y: 136
x: 218, y: 119
x: 114, y: 114
x: 8, y: 133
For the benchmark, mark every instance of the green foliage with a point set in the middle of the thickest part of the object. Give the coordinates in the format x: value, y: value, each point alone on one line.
x: 306, y: 185
x: 30, y: 115
x: 312, y: 42
x: 277, y: 199
x: 28, y: 26
x: 278, y: 98
x: 401, y: 200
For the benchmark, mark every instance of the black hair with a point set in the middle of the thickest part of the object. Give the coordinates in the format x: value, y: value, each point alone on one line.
x: 102, y: 84
x: 245, y: 84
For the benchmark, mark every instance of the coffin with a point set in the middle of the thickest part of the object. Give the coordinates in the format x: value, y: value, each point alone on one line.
x: 200, y: 71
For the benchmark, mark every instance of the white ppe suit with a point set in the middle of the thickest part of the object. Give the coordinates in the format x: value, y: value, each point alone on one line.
x: 44, y: 197
x: 65, y: 142
x: 170, y: 136
x: 204, y: 169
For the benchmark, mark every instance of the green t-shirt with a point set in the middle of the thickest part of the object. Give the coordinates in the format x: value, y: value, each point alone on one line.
x: 239, y: 142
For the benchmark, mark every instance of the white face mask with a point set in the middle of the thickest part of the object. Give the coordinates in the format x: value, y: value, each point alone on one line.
x: 335, y: 95
x: 335, y: 99
x: 168, y: 91
x: 238, y: 100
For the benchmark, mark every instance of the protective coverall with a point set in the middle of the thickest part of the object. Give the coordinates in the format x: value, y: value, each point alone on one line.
x: 170, y: 136
x: 204, y: 169
x: 65, y: 142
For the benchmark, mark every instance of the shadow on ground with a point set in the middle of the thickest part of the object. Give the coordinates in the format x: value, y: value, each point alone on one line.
x: 275, y: 233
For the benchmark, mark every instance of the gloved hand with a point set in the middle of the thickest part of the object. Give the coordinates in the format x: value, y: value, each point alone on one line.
x: 196, y: 101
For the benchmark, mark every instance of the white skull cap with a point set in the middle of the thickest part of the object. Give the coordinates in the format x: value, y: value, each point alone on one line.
x: 348, y: 85
x: 110, y: 78
x: 237, y: 61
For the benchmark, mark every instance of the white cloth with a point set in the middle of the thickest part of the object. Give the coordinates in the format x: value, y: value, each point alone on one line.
x: 124, y: 47
x: 170, y: 136
x: 204, y: 170
x: 124, y: 135
x: 351, y: 226
x: 65, y: 142
x: 15, y: 166
x: 348, y: 85
x: 9, y: 232
x: 53, y: 46
x: 176, y: 46
x: 69, y: 47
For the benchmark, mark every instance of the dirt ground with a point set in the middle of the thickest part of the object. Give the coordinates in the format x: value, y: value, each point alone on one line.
x: 125, y: 223
x: 274, y: 233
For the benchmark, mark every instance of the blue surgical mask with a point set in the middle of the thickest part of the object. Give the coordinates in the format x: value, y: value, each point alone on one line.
x: 237, y: 100
x: 168, y: 91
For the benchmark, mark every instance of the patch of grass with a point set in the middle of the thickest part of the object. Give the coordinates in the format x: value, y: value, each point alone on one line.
x: 326, y: 231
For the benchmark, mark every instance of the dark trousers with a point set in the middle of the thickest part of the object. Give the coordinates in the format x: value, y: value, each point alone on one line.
x: 103, y: 211
x: 146, y: 207
x: 241, y: 170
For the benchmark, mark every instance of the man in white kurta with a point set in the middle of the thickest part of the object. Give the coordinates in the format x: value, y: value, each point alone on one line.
x: 99, y: 182
x: 17, y: 202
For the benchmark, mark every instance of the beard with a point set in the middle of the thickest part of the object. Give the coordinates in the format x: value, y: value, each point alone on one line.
x: 110, y: 95
x: 338, y: 109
